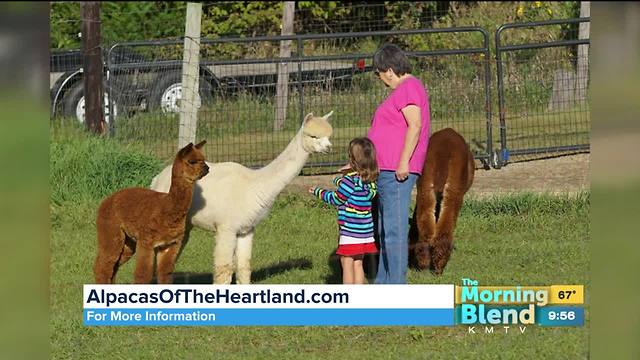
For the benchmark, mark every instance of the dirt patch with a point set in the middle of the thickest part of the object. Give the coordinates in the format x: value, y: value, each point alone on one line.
x: 561, y: 175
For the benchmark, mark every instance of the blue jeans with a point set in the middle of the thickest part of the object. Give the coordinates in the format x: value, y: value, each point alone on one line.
x: 394, y: 200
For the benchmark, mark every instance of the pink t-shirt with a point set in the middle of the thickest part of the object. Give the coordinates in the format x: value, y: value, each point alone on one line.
x: 389, y: 127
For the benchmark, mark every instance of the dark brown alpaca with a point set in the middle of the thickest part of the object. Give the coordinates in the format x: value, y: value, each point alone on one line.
x: 447, y: 175
x: 148, y: 222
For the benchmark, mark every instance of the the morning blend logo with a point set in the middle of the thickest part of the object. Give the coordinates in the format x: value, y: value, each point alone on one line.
x: 524, y: 305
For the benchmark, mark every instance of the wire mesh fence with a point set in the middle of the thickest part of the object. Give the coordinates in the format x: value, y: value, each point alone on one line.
x: 239, y: 111
x: 544, y: 94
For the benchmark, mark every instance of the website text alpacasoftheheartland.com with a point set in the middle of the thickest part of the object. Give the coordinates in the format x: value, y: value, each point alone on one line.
x: 218, y: 296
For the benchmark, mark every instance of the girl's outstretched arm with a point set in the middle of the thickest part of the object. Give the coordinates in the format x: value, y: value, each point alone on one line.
x: 337, y: 197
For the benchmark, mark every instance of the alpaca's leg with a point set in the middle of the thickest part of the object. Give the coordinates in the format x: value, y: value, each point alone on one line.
x: 443, y: 240
x: 223, y: 256
x: 110, y: 247
x: 243, y: 258
x: 128, y: 251
x: 166, y: 263
x: 144, y: 265
x: 426, y: 223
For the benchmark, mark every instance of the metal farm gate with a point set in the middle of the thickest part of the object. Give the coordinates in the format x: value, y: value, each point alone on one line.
x: 243, y: 121
x: 543, y: 104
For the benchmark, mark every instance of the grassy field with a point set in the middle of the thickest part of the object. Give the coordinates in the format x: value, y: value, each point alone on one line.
x: 526, y: 239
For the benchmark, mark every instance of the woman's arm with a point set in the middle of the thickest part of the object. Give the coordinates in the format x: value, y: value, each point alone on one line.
x: 412, y: 116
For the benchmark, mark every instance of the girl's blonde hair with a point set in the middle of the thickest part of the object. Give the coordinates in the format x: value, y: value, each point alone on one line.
x: 362, y: 157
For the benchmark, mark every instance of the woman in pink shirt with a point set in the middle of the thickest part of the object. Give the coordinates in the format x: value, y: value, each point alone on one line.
x: 400, y: 133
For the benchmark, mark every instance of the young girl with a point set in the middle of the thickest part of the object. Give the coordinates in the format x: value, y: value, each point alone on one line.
x: 353, y: 197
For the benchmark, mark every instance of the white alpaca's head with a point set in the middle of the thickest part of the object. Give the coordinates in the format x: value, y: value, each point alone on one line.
x: 316, y: 132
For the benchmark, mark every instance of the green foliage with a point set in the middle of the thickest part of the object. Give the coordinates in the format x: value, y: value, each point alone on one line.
x: 410, y: 14
x: 334, y: 15
x: 250, y: 18
x: 487, y: 15
x: 86, y: 168
x: 65, y: 25
x: 120, y: 21
x: 127, y: 20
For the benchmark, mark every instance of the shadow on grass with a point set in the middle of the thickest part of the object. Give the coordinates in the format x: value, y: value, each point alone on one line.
x: 369, y: 264
x: 284, y: 266
x: 256, y: 276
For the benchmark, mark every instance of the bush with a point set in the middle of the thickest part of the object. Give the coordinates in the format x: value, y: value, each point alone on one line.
x: 128, y: 21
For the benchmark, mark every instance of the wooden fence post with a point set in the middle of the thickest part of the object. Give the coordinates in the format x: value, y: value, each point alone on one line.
x: 190, y: 76
x: 282, y: 89
x: 92, y: 66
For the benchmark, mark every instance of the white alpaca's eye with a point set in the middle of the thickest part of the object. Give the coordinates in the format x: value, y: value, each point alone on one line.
x: 313, y: 137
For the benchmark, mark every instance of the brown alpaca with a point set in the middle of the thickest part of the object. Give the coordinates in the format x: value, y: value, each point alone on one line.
x: 447, y: 175
x: 148, y: 222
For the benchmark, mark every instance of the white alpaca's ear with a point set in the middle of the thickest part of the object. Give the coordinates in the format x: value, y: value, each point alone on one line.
x: 308, y: 117
x: 326, y: 117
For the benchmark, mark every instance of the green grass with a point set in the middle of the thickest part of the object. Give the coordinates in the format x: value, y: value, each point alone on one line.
x: 518, y: 240
x: 85, y: 167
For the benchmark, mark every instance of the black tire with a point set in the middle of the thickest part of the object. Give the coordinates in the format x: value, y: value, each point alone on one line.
x: 167, y: 84
x: 71, y: 99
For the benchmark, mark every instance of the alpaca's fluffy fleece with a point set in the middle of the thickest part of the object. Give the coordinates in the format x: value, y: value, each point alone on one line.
x: 147, y: 222
x: 448, y: 174
x: 233, y: 199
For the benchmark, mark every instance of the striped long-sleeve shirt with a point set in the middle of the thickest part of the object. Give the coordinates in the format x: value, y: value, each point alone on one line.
x: 353, y: 198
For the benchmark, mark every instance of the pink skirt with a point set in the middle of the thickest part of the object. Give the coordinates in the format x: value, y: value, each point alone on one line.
x: 357, y: 249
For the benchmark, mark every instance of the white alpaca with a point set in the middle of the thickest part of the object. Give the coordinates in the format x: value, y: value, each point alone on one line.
x: 233, y: 199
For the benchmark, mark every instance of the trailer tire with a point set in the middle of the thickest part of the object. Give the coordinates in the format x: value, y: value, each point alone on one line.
x: 167, y: 92
x: 73, y: 103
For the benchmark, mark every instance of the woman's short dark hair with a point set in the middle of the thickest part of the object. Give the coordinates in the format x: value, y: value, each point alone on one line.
x: 390, y: 56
